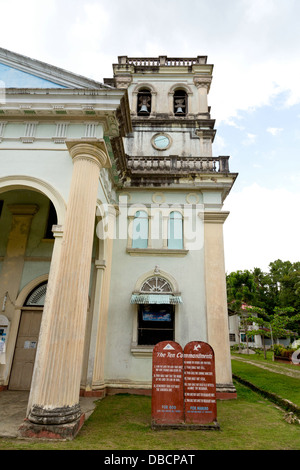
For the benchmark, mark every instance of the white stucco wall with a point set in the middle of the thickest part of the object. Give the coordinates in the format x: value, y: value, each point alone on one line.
x: 190, y: 317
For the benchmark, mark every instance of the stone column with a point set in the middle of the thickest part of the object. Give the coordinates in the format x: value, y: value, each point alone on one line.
x: 98, y: 372
x: 216, y: 300
x: 202, y: 85
x: 106, y: 234
x: 54, y: 397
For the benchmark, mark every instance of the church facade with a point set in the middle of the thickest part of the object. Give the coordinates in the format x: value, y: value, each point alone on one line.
x: 111, y: 229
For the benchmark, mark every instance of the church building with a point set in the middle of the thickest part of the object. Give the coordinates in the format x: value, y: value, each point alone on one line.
x: 111, y: 230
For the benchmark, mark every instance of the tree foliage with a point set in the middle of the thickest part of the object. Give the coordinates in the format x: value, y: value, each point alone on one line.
x: 276, y: 293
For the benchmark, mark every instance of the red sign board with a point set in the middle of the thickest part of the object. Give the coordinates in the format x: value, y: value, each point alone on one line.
x: 199, y: 383
x: 167, y: 384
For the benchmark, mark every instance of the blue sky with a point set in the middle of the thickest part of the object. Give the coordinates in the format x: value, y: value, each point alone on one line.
x: 255, y: 95
x: 265, y: 201
x: 264, y: 145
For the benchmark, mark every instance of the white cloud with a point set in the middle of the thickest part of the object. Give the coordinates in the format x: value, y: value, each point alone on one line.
x: 274, y: 130
x: 254, y: 46
x: 263, y: 225
x: 251, y: 138
x: 258, y: 11
x: 24, y: 25
x: 231, y: 122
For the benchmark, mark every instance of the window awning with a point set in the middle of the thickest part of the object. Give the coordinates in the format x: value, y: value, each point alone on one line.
x: 156, y: 299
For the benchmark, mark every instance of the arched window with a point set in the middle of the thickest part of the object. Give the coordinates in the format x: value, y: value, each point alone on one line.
x: 36, y: 298
x: 144, y: 102
x: 180, y: 102
x: 175, y: 231
x: 156, y: 285
x: 156, y: 320
x: 140, y: 230
x: 156, y: 297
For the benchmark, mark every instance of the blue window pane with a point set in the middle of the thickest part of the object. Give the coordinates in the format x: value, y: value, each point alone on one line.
x: 140, y: 230
x: 175, y: 231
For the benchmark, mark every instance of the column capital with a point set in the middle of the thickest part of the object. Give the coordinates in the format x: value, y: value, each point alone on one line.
x: 202, y: 82
x: 91, y: 149
x: 214, y: 217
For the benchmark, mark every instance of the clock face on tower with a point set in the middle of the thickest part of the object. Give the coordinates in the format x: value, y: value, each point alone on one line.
x: 161, y: 141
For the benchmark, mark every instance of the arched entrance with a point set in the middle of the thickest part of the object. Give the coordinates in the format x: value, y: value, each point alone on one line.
x: 27, y: 339
x: 29, y: 250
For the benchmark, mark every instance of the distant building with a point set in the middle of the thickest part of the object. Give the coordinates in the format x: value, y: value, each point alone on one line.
x: 111, y: 229
x: 238, y: 332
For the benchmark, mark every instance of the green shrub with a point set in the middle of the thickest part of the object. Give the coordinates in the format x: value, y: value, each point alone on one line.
x: 281, y: 351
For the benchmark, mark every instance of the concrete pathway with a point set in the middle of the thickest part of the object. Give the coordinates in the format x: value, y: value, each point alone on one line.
x: 13, y: 406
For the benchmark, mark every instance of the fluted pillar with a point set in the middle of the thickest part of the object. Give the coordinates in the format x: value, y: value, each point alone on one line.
x: 216, y: 301
x: 54, y: 397
x: 102, y: 306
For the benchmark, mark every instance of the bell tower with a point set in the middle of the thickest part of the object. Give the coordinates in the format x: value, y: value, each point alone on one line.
x: 173, y: 131
x: 169, y: 163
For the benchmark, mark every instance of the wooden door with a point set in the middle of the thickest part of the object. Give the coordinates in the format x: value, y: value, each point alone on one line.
x: 25, y: 352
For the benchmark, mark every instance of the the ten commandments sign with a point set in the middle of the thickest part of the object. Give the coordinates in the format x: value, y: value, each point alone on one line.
x: 183, y: 384
x: 167, y: 383
x: 199, y: 383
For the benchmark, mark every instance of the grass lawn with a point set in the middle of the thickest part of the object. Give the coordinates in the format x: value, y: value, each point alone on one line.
x: 122, y: 422
x: 284, y: 386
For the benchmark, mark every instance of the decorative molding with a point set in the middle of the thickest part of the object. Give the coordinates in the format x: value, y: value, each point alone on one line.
x: 180, y: 85
x: 123, y: 81
x: 215, y: 217
x: 192, y: 198
x: 61, y: 132
x: 30, y: 132
x: 141, y: 351
x: 157, y: 272
x: 158, y: 198
x: 202, y: 82
x: 156, y: 251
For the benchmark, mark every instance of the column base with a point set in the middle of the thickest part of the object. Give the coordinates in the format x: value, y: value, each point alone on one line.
x: 66, y: 432
x: 226, y: 392
x: 54, y: 416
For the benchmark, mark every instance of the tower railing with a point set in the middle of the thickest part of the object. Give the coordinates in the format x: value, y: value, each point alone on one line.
x: 178, y: 164
x: 162, y: 61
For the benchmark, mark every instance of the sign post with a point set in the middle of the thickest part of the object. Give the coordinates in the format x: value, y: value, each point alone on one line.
x: 200, y: 384
x: 167, y: 384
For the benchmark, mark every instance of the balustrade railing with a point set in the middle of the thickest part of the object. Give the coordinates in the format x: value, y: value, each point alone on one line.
x: 161, y: 60
x: 176, y: 164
